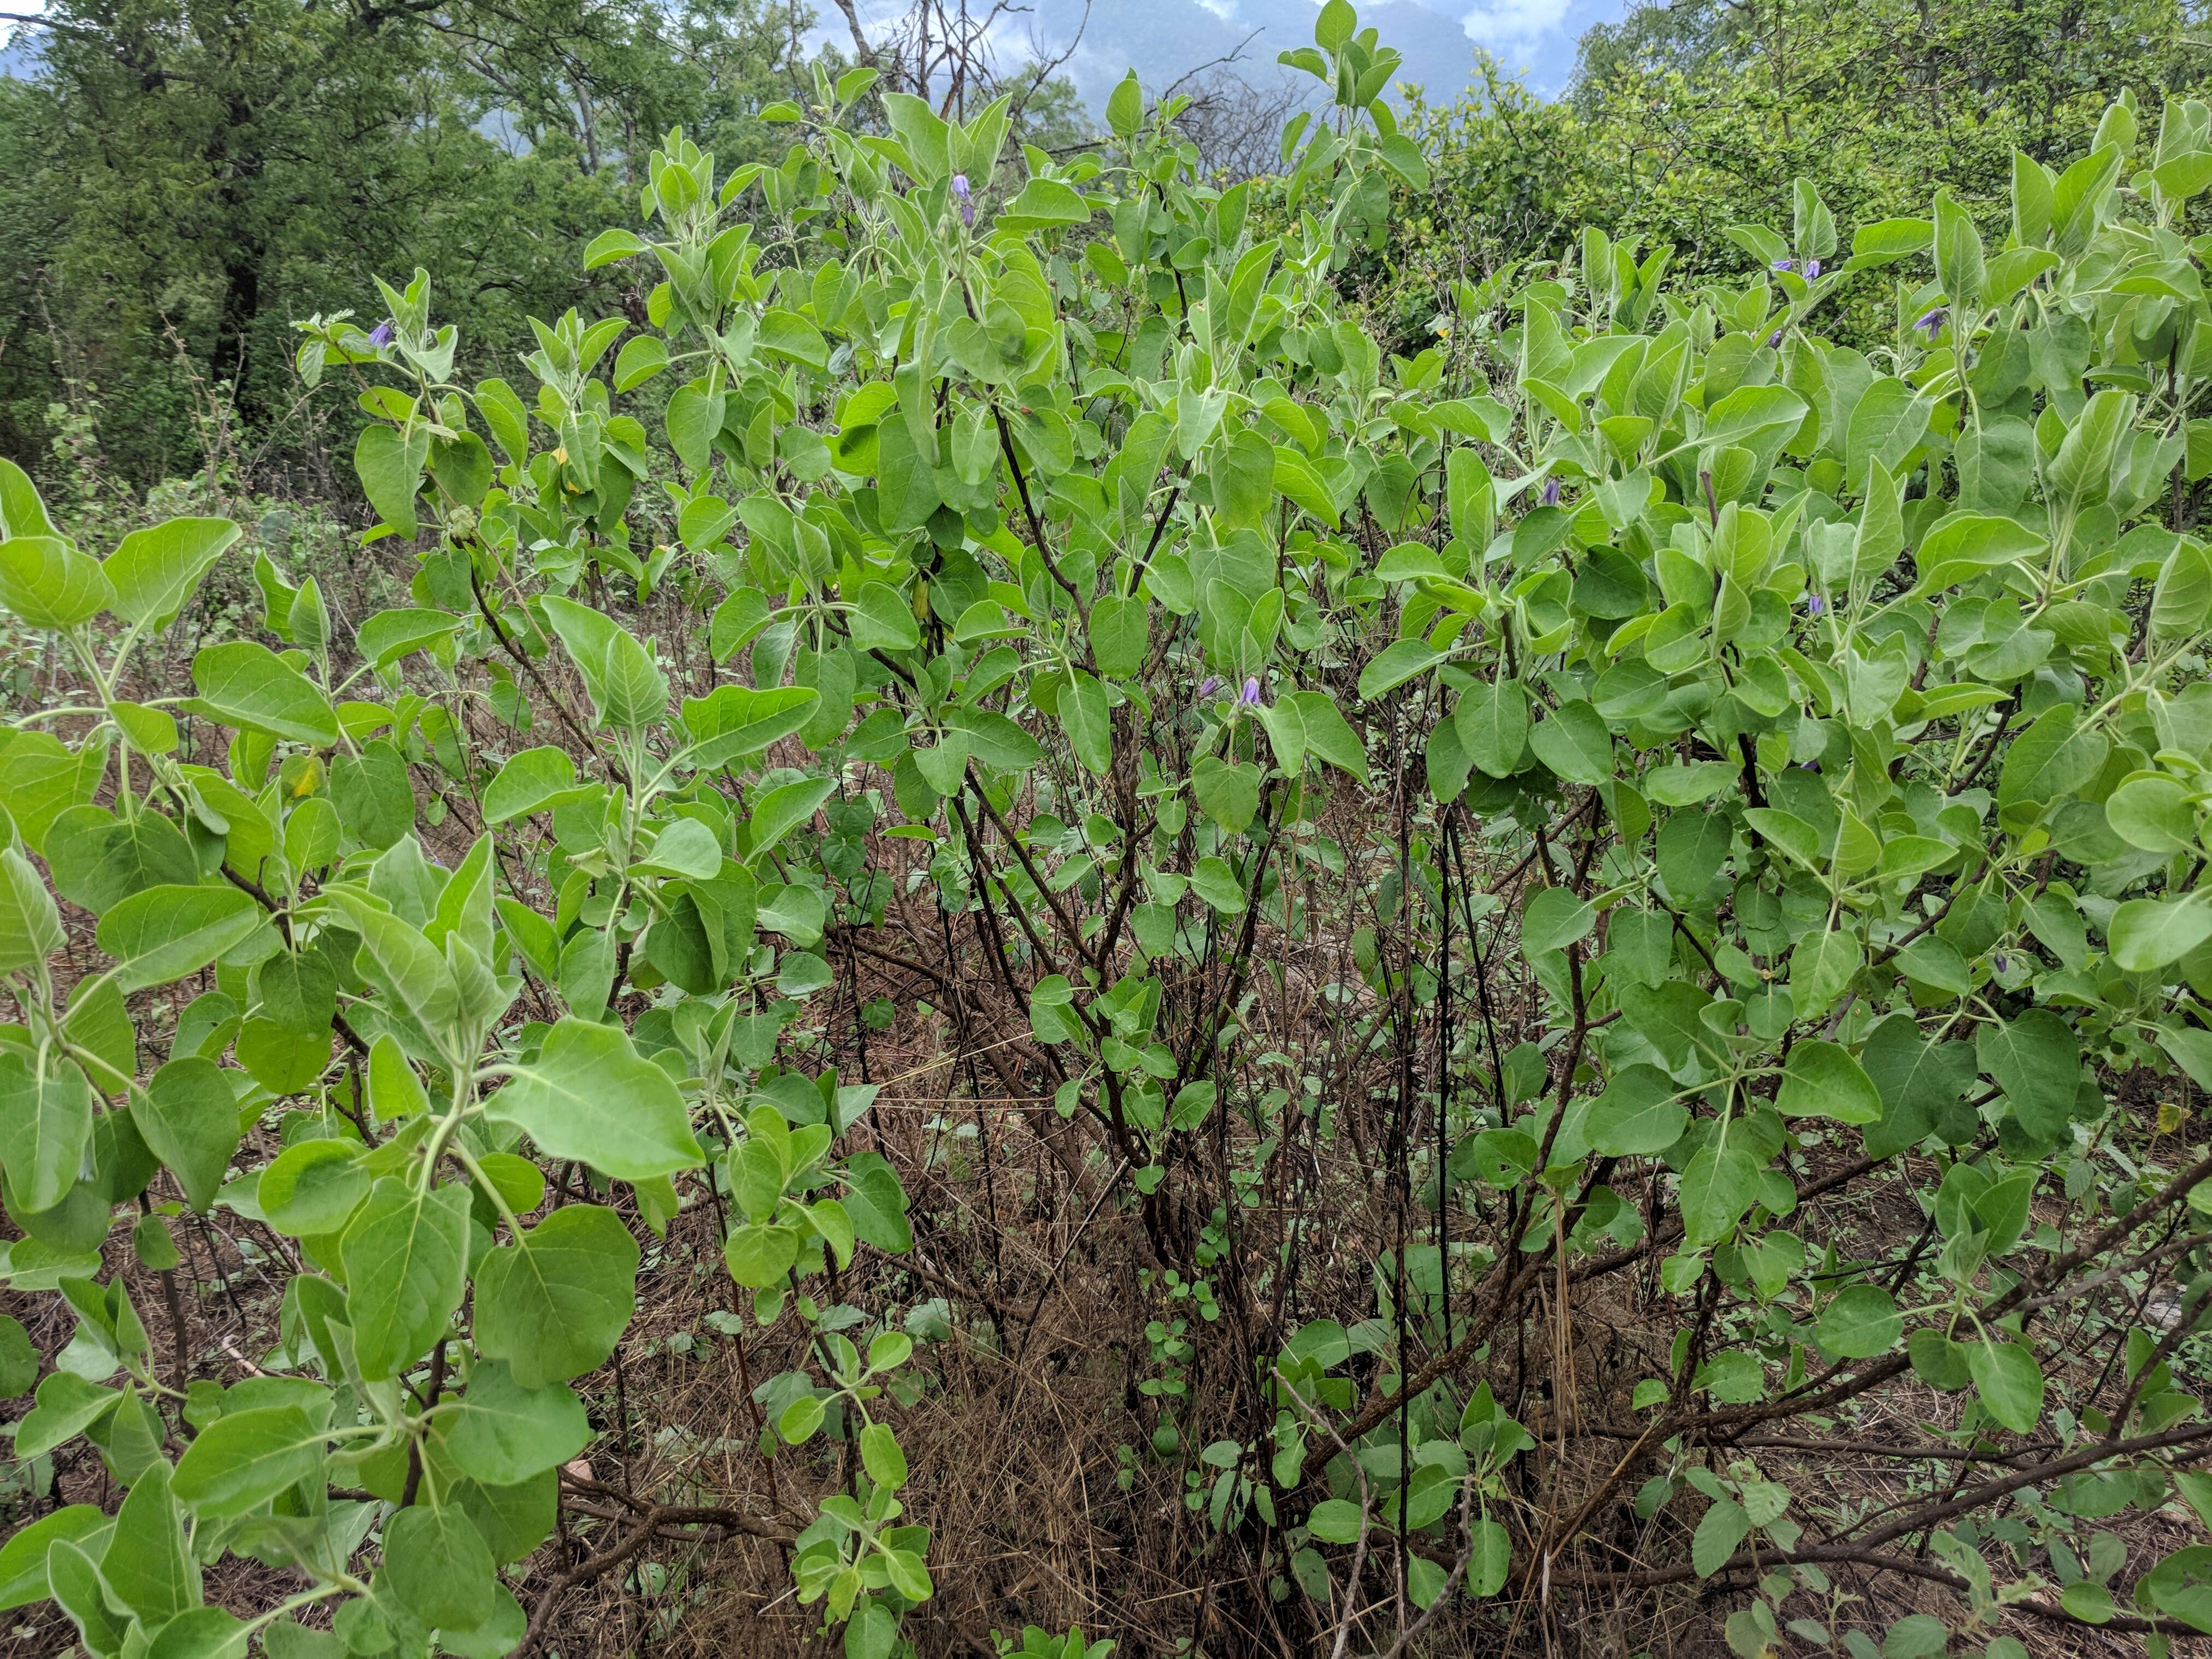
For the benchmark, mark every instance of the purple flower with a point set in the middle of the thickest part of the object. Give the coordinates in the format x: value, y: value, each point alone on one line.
x: 1251, y: 697
x: 967, y: 200
x: 1999, y: 965
x: 1816, y: 605
x: 380, y: 335
x: 1774, y: 340
x: 1812, y: 269
x: 1209, y: 685
x: 1933, y: 320
x: 1785, y: 264
x: 1550, y: 492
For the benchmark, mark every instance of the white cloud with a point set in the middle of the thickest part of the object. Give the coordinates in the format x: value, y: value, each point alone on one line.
x: 1503, y: 24
x: 1225, y: 10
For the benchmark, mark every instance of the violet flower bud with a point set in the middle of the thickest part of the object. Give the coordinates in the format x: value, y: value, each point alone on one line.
x: 380, y: 335
x: 1208, y: 686
x: 965, y: 198
x: 1550, y: 492
x: 1932, y: 320
x: 1785, y: 264
x: 1812, y: 269
x: 1998, y: 962
x: 1774, y: 341
x: 1816, y: 605
x: 1251, y: 697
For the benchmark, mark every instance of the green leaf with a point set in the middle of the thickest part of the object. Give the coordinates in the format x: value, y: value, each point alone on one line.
x: 758, y: 1255
x: 2148, y: 933
x: 374, y: 799
x: 643, y: 356
x: 2038, y: 1063
x: 1966, y: 545
x: 149, y: 1566
x: 40, y: 778
x: 610, y: 245
x: 243, y: 1459
x: 1324, y: 732
x: 1554, y: 918
x: 505, y: 1433
x: 876, y: 1203
x: 187, y: 1115
x: 1227, y: 792
x: 2183, y: 594
x: 1573, y: 742
x: 628, y: 689
x: 881, y: 1456
x: 1335, y: 1521
x: 1125, y: 106
x: 1717, y: 1188
x: 1638, y: 1114
x: 1044, y: 205
x: 1214, y: 881
x: 49, y: 583
x: 1822, y: 1080
x: 414, y: 970
x: 531, y: 781
x: 404, y: 1255
x: 1397, y: 663
x: 22, y: 511
x: 437, y: 1566
x: 554, y: 1303
x: 1492, y: 722
x: 66, y: 1406
x: 2151, y: 810
x: 1724, y: 1525
x: 388, y: 636
x: 390, y: 471
x: 2053, y: 758
x: 30, y: 925
x: 244, y: 685
x: 19, y: 1359
x: 2010, y: 1381
x: 203, y: 1634
x: 1959, y: 262
x: 1085, y: 716
x: 1861, y: 1323
x: 1119, y: 633
x: 156, y: 571
x: 23, y: 1556
x: 1748, y: 411
x: 787, y: 334
x: 883, y: 620
x: 81, y: 1592
x: 783, y: 809
x: 735, y: 721
x: 45, y: 1123
x: 590, y: 1096
x: 1888, y: 241
x: 98, y: 860
x: 163, y: 933
x: 313, y: 1187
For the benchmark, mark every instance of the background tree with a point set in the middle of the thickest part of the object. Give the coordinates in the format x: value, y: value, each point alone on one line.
x: 183, y: 178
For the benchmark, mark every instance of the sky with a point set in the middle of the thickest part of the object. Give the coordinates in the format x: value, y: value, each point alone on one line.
x: 1536, y: 38
x: 1533, y: 38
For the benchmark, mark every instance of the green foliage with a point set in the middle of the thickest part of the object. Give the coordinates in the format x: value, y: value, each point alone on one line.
x: 1830, y: 726
x: 1688, y: 122
x: 217, y: 170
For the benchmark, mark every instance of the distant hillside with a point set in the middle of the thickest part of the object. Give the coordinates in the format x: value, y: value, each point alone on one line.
x: 1163, y: 40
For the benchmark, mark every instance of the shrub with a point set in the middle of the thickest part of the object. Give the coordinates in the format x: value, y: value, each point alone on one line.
x: 1732, y: 773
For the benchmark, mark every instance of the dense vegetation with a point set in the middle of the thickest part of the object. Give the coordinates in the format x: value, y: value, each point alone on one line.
x: 977, y: 931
